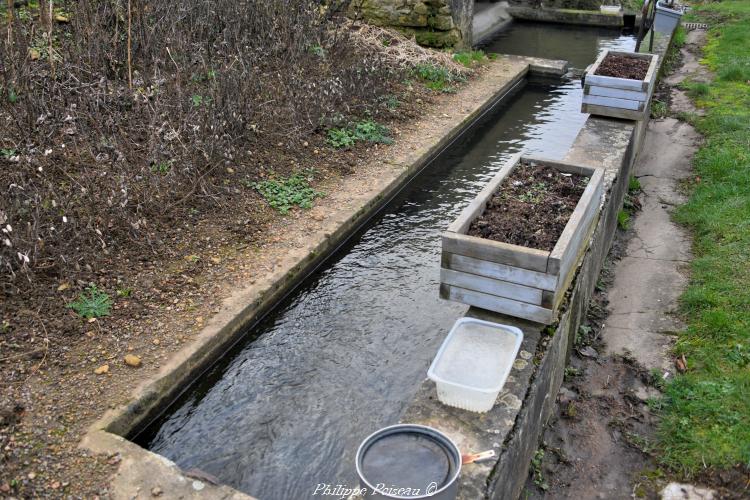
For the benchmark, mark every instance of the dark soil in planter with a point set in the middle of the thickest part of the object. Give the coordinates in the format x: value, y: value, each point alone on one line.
x: 620, y: 66
x: 531, y: 207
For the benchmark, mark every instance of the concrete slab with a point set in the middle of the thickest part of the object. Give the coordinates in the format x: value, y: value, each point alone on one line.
x: 649, y: 280
x: 650, y: 349
x: 489, y: 18
x: 644, y: 285
x: 667, y: 150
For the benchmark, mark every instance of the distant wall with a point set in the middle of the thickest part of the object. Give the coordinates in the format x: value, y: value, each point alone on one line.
x: 435, y: 23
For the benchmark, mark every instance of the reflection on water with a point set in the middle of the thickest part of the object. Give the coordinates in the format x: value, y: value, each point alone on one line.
x: 576, y: 44
x: 342, y: 356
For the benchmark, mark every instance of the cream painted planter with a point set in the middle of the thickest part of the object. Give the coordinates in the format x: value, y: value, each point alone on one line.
x: 619, y: 97
x: 510, y: 279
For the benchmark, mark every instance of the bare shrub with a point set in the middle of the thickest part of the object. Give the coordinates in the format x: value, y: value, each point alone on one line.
x: 134, y: 111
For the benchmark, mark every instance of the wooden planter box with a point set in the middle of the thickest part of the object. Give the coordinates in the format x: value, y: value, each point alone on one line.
x: 510, y: 279
x: 619, y: 97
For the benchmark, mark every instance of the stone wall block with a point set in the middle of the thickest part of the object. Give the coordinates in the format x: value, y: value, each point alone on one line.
x: 442, y: 23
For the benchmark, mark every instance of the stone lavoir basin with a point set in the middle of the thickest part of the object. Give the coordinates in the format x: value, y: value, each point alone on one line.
x: 517, y: 280
x: 344, y: 354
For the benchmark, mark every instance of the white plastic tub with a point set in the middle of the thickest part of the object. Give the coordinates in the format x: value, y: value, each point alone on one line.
x: 473, y: 363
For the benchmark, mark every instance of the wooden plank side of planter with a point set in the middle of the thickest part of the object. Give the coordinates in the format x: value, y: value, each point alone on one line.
x: 495, y: 251
x: 617, y: 93
x: 651, y: 73
x: 625, y: 114
x: 616, y: 83
x: 479, y: 203
x: 634, y: 55
x: 491, y: 286
x: 564, y: 280
x: 497, y: 304
x: 563, y: 255
x: 613, y: 102
x: 569, y: 168
x: 497, y: 271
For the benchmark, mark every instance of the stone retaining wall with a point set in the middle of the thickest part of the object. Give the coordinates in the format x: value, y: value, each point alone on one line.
x: 435, y: 23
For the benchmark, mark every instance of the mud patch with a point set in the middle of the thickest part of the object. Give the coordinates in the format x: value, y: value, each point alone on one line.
x: 598, y: 444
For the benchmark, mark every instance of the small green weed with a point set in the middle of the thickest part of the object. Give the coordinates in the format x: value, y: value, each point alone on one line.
x: 340, y: 138
x: 285, y: 193
x: 365, y: 130
x: 537, y: 472
x: 656, y: 379
x: 571, y: 372
x: 162, y: 167
x: 204, y: 77
x: 197, y: 100
x: 582, y: 336
x: 659, y: 109
x: 318, y: 51
x: 10, y: 94
x: 93, y: 303
x: 392, y: 102
x: 634, y: 185
x: 623, y: 220
x: 124, y: 292
x: 371, y: 131
x: 8, y: 153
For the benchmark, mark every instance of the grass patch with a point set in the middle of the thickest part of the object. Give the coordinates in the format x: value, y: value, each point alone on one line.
x: 623, y: 220
x: 92, y: 303
x: 285, y: 193
x: 679, y: 37
x: 470, y: 58
x: 658, y: 109
x: 706, y: 411
x: 634, y: 185
x: 697, y: 89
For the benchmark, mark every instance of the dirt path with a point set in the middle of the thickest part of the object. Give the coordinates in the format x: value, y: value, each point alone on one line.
x: 600, y: 442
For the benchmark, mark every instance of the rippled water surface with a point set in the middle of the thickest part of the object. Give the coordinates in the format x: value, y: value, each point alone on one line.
x: 342, y: 356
